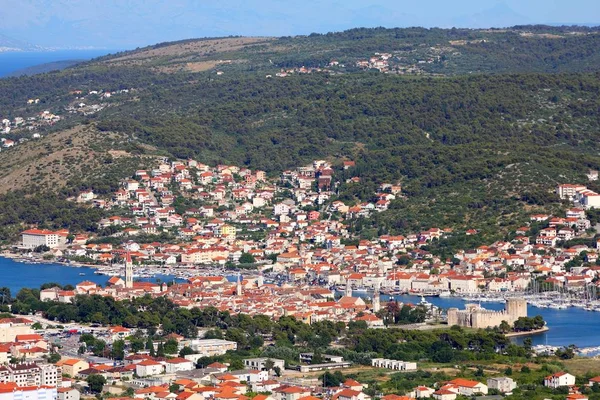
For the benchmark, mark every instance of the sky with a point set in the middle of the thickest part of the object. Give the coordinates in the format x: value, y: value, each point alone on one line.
x: 126, y: 24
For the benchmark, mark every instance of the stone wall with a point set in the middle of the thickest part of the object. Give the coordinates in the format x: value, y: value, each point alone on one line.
x: 475, y: 316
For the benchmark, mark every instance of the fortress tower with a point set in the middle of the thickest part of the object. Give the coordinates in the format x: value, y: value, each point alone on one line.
x: 515, y: 308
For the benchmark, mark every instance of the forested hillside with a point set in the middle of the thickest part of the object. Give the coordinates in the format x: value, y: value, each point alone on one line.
x: 478, y: 135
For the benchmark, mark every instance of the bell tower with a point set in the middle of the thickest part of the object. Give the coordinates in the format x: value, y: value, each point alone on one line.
x: 348, y: 292
x: 238, y: 287
x: 376, y: 299
x: 128, y: 271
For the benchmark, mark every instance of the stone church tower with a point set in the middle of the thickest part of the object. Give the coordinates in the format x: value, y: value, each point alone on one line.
x: 376, y: 298
x: 238, y: 287
x: 348, y: 292
x: 128, y: 271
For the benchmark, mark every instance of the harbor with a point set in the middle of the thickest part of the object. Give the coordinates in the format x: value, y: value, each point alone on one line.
x: 569, y: 318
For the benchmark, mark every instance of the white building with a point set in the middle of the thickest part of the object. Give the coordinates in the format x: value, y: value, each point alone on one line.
x: 559, y: 379
x: 394, y: 364
x: 179, y: 364
x: 68, y: 393
x: 148, y: 368
x: 259, y: 363
x: 10, y: 391
x: 466, y: 387
x: 33, y: 238
x: 212, y: 347
x: 502, y: 384
x: 568, y: 191
x: 251, y: 375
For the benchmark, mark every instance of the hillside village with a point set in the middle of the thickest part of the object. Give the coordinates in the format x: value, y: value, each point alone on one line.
x: 288, y: 227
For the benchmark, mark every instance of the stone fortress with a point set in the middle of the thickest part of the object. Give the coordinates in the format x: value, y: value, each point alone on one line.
x: 475, y: 316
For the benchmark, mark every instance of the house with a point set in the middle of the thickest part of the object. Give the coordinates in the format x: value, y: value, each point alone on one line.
x: 394, y: 364
x: 372, y: 321
x: 118, y: 332
x: 422, y: 391
x: 72, y: 366
x: 559, y: 379
x: 502, y: 384
x: 67, y: 393
x: 178, y: 364
x: 9, y: 391
x: 148, y: 368
x: 261, y: 363
x: 349, y: 394
x: 251, y: 375
x: 218, y: 366
x: 576, y: 396
x: 444, y: 394
x: 467, y: 387
x: 285, y: 392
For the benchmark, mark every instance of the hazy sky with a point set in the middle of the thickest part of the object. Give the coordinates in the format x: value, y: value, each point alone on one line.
x: 122, y: 24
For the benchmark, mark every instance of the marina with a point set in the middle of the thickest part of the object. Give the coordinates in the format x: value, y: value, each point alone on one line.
x: 570, y: 320
x: 18, y: 274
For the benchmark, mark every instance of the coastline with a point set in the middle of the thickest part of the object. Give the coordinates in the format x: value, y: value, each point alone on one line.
x: 528, y: 333
x: 18, y: 257
x: 148, y: 271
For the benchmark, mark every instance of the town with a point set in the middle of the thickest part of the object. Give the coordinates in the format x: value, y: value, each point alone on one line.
x: 242, y: 243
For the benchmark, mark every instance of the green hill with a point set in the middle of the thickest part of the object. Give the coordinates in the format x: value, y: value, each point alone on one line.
x: 478, y: 125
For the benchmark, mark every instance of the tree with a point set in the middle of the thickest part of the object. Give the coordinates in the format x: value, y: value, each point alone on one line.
x: 5, y: 297
x: 137, y: 345
x: 118, y: 349
x: 186, y: 350
x: 53, y: 358
x: 42, y: 248
x: 96, y: 382
x: 247, y: 258
x: 567, y: 353
x: 160, y: 350
x: 171, y: 346
x: 332, y: 379
x: 269, y: 364
x: 504, y: 327
x: 317, y: 358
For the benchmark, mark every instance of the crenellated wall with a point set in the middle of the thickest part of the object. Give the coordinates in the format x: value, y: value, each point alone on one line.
x: 474, y: 316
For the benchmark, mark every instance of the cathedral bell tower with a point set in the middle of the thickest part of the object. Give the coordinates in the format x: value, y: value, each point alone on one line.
x: 128, y: 271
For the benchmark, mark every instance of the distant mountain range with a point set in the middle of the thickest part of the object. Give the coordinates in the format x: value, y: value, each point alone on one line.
x: 8, y: 43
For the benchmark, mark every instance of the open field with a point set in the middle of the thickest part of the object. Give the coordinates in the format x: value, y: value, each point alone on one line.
x: 198, y: 47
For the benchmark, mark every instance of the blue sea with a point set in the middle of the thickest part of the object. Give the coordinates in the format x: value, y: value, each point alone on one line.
x: 16, y: 275
x: 14, y: 61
